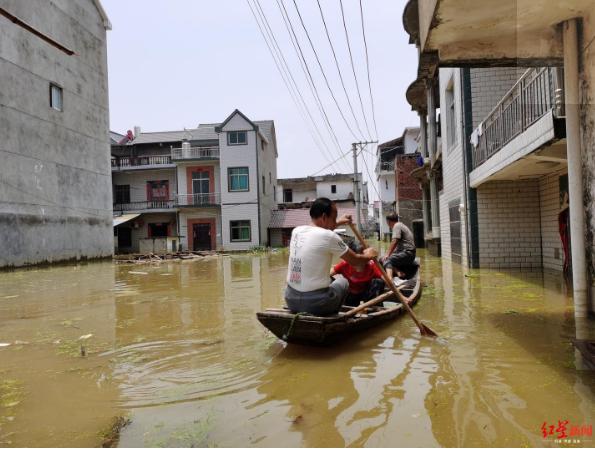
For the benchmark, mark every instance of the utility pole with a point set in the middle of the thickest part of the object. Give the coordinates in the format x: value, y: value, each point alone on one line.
x: 356, y: 191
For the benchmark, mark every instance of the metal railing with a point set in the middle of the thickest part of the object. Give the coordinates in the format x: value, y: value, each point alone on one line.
x: 195, y: 153
x: 142, y: 205
x: 139, y: 161
x: 385, y: 166
x: 198, y: 199
x: 536, y: 93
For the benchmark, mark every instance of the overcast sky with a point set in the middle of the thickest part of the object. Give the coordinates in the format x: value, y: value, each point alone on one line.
x: 178, y: 63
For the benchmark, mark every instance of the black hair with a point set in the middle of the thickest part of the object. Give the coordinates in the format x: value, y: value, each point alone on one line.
x: 320, y: 207
x: 355, y: 247
x: 393, y: 216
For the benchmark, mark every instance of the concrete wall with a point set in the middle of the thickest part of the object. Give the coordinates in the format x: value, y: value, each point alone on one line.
x: 208, y: 213
x: 239, y: 205
x: 409, y: 196
x: 344, y: 189
x: 509, y: 224
x: 55, y: 190
x: 267, y: 167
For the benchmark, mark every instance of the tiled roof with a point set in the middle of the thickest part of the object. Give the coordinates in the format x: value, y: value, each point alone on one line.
x: 203, y: 132
x: 290, y: 218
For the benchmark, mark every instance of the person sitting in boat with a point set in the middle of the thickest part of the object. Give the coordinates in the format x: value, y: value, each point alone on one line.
x: 312, y: 248
x: 365, y: 279
x: 401, y: 253
x: 406, y: 278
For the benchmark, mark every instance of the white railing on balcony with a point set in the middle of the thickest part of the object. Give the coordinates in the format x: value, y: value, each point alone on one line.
x: 143, y: 205
x: 126, y: 162
x: 198, y: 199
x: 195, y: 153
x: 536, y: 93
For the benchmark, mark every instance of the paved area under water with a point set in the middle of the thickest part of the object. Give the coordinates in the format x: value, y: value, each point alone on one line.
x: 176, y: 348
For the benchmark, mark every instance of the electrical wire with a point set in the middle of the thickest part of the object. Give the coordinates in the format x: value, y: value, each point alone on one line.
x: 328, y: 36
x: 325, y: 167
x: 353, y: 70
x: 368, y: 67
x: 322, y: 71
x: 295, y: 92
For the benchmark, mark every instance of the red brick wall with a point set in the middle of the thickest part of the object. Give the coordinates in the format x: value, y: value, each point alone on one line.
x: 407, y: 188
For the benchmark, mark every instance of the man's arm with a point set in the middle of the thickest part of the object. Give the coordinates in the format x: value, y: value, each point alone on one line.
x: 391, y: 248
x: 353, y: 258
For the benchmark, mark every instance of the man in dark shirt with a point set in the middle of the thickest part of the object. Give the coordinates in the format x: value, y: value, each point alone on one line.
x: 401, y: 253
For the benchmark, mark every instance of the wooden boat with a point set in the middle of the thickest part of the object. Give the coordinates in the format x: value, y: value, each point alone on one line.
x: 309, y: 329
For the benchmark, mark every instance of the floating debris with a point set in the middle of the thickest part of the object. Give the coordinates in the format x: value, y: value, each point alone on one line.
x: 137, y: 272
x: 111, y: 436
x: 85, y: 337
x: 3, y: 345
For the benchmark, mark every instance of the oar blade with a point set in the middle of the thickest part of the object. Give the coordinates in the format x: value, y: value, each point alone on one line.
x: 426, y: 331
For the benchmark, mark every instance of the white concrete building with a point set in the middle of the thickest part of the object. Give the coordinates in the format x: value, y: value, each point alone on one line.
x: 385, y: 172
x: 206, y: 188
x: 54, y: 176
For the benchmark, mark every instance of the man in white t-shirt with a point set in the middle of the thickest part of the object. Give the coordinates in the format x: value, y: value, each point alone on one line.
x: 312, y: 250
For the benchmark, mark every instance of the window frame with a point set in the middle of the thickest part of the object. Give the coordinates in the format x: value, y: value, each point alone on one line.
x: 60, y: 90
x: 119, y: 191
x: 237, y: 133
x: 284, y: 197
x: 334, y: 188
x: 233, y: 224
x: 450, y: 110
x: 229, y: 189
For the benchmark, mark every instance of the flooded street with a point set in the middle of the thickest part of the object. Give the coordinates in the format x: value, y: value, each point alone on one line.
x: 177, y: 349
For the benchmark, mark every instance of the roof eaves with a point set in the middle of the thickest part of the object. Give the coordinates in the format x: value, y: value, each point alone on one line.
x: 106, y: 22
x: 236, y: 111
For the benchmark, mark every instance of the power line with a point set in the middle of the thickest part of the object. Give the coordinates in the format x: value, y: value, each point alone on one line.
x: 322, y: 71
x: 306, y: 69
x: 295, y: 92
x: 368, y: 67
x: 338, y: 68
x: 353, y: 69
x: 327, y: 166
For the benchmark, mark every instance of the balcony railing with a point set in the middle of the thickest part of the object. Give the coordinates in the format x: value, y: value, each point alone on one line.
x: 199, y: 199
x: 142, y: 205
x: 387, y: 166
x: 195, y: 153
x: 126, y: 162
x: 535, y: 94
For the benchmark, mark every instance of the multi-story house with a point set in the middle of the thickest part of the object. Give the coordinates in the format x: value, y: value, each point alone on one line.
x: 516, y: 143
x: 295, y: 195
x: 55, y: 188
x: 206, y: 188
x: 386, y: 173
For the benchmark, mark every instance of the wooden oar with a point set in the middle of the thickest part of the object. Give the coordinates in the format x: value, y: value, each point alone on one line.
x: 423, y: 329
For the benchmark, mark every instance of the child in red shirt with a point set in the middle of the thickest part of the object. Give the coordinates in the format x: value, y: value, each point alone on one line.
x: 365, y: 281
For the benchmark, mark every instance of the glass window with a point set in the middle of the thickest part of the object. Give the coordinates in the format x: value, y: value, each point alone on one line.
x: 200, y: 182
x: 122, y: 194
x: 333, y: 188
x: 157, y: 190
x: 55, y: 97
x: 237, y: 138
x: 240, y: 230
x: 238, y: 179
x: 287, y: 196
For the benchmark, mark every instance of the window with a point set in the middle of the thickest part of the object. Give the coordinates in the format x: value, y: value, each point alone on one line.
x: 275, y: 193
x: 240, y: 230
x: 263, y: 183
x: 270, y: 178
x: 451, y: 129
x: 157, y: 190
x: 56, y: 97
x: 386, y: 182
x: 262, y: 145
x: 122, y: 194
x: 287, y: 196
x: 237, y: 179
x: 158, y: 229
x: 333, y: 188
x: 237, y: 138
x: 201, y: 183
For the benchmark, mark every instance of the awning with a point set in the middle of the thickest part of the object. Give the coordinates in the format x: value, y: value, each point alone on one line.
x: 124, y: 218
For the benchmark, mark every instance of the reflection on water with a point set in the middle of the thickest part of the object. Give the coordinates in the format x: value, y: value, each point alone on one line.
x: 177, y: 347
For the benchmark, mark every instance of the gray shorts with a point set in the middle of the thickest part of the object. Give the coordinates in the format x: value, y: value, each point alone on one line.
x: 402, y: 260
x: 326, y: 301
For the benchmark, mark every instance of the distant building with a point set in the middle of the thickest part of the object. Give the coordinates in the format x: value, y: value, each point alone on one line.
x: 295, y: 196
x: 405, y: 148
x: 208, y: 188
x: 55, y: 187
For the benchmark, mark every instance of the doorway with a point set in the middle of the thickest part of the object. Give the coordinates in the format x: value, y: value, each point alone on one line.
x: 201, y: 237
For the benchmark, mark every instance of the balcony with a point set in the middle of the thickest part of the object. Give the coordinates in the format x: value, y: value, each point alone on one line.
x: 144, y: 205
x: 521, y: 127
x: 141, y: 162
x: 383, y: 167
x: 199, y: 200
x: 194, y: 153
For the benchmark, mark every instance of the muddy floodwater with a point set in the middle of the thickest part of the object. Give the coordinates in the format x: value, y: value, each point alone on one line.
x: 176, y: 349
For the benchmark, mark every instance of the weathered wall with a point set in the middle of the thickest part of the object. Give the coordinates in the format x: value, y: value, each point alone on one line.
x: 587, y: 116
x: 409, y: 196
x: 55, y: 183
x: 509, y: 224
